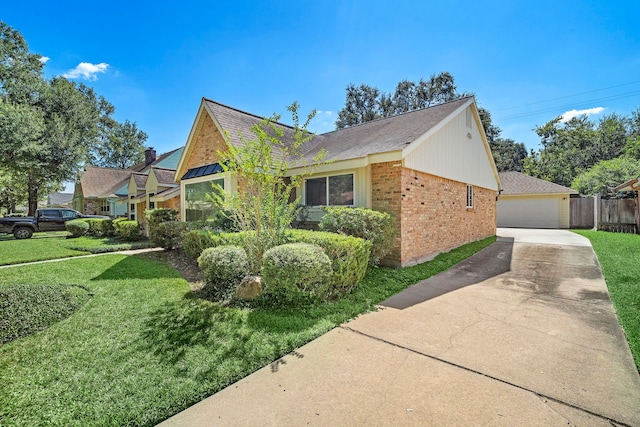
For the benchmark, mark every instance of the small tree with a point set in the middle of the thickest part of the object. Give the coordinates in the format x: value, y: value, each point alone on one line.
x: 264, y: 202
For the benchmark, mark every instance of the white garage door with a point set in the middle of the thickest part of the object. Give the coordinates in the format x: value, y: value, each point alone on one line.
x: 541, y: 212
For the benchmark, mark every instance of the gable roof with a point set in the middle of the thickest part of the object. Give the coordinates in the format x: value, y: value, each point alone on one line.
x: 519, y: 183
x: 631, y: 185
x: 382, y: 135
x: 378, y: 136
x: 168, y: 160
x: 140, y: 179
x: 102, y: 182
x: 164, y: 176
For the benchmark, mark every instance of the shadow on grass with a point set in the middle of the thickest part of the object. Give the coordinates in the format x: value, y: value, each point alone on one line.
x: 132, y: 267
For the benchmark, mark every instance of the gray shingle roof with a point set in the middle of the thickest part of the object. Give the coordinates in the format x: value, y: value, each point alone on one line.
x: 165, y: 176
x: 167, y: 160
x: 59, y: 198
x: 102, y: 182
x: 378, y: 136
x: 519, y: 183
x: 140, y: 179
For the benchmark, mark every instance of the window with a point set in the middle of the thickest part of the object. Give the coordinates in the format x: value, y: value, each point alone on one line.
x: 104, y: 206
x: 69, y: 214
x: 132, y: 211
x: 152, y: 205
x: 199, y: 207
x: 336, y: 190
x: 469, y: 196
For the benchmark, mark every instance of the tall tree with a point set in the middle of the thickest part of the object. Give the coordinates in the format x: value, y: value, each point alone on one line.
x: 121, y: 145
x: 604, y: 176
x: 570, y: 148
x: 365, y: 103
x: 46, y: 127
x: 508, y: 154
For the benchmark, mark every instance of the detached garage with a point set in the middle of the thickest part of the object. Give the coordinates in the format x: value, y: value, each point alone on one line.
x: 528, y: 202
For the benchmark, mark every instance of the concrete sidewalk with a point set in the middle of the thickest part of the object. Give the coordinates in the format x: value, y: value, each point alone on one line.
x: 522, y: 333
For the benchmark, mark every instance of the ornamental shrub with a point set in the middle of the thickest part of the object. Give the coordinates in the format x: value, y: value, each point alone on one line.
x: 296, y: 272
x: 349, y: 257
x: 128, y: 230
x: 368, y: 224
x: 77, y: 227
x: 223, y: 268
x: 95, y: 226
x: 196, y: 241
x: 28, y: 308
x: 168, y: 235
x: 106, y: 227
x: 154, y: 218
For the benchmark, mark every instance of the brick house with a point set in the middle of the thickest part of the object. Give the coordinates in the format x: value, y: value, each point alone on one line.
x: 105, y: 191
x: 432, y: 169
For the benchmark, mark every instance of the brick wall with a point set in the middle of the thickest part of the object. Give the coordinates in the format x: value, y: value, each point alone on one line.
x: 173, y: 203
x: 207, y: 142
x: 431, y: 212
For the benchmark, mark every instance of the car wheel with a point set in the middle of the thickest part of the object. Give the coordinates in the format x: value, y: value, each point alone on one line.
x: 22, y: 233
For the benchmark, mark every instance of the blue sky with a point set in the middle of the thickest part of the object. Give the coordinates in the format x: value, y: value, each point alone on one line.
x: 527, y: 62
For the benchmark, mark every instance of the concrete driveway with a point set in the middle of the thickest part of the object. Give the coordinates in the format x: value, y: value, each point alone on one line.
x: 522, y: 333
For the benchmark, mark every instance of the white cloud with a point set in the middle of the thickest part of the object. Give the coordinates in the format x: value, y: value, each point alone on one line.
x: 86, y: 70
x: 576, y: 113
x: 324, y: 121
x: 44, y: 59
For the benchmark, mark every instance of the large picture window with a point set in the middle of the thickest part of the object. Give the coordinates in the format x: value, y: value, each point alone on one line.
x: 336, y: 190
x: 198, y: 207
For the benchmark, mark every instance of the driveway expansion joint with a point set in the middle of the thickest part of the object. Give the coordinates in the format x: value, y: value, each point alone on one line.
x: 491, y: 377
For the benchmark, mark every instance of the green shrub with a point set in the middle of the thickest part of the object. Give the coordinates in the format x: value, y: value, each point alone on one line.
x: 349, y: 257
x: 296, y: 272
x: 77, y: 227
x: 95, y: 226
x: 154, y: 218
x: 168, y: 235
x: 368, y: 224
x: 196, y: 241
x: 128, y: 230
x: 223, y: 268
x: 26, y: 309
x: 106, y: 227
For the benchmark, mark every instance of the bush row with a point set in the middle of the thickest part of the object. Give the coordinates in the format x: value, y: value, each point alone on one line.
x: 125, y: 229
x: 348, y: 255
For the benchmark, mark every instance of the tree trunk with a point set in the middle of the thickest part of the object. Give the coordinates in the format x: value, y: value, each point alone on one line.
x: 32, y: 188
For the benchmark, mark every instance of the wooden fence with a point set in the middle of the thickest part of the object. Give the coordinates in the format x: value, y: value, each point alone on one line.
x: 620, y: 215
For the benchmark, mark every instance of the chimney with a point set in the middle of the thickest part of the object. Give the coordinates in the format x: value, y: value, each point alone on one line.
x: 149, y: 156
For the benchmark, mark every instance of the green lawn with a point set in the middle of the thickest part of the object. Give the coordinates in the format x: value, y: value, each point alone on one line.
x: 44, y: 246
x: 144, y: 347
x: 619, y: 256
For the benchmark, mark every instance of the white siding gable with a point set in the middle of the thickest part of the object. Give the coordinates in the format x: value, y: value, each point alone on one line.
x: 456, y: 150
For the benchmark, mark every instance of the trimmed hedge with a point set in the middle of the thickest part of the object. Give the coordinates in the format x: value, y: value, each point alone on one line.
x: 95, y: 226
x: 349, y: 257
x: 128, y: 230
x: 296, y: 272
x: 28, y: 308
x: 77, y: 227
x: 368, y: 224
x: 168, y: 235
x: 223, y: 267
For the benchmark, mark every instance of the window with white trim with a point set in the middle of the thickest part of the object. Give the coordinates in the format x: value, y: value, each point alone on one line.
x: 105, y: 206
x: 198, y: 206
x: 335, y: 190
x: 152, y: 205
x: 469, y: 196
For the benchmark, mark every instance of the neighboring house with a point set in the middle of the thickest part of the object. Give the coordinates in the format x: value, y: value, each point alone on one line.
x: 106, y: 190
x: 632, y: 185
x: 156, y: 189
x: 99, y: 189
x: 432, y: 169
x: 529, y: 202
x: 59, y: 200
